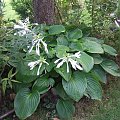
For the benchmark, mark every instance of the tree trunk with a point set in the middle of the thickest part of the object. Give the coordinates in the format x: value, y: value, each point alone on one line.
x: 44, y: 11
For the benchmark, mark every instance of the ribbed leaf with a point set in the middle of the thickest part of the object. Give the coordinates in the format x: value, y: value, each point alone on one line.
x: 76, y: 46
x: 62, y: 41
x: 86, y: 61
x: 26, y: 103
x: 76, y: 86
x: 61, y: 51
x: 99, y: 74
x: 97, y: 58
x: 94, y: 89
x: 56, y: 29
x: 111, y: 67
x: 43, y: 84
x: 110, y: 50
x: 76, y: 34
x: 61, y: 92
x: 65, y: 109
x: 26, y: 75
x: 63, y: 72
x: 92, y: 47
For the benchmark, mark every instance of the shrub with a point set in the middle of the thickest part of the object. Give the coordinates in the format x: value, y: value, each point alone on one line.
x: 54, y: 58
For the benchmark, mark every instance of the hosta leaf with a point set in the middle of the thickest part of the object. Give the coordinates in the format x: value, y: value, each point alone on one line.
x: 94, y: 89
x: 61, y: 92
x: 76, y: 86
x: 26, y: 103
x: 61, y: 51
x: 92, y: 47
x: 111, y: 67
x: 94, y: 39
x: 86, y: 61
x: 62, y: 41
x: 63, y: 72
x: 99, y: 74
x: 26, y: 75
x: 110, y: 50
x: 56, y: 29
x: 97, y: 58
x: 76, y: 34
x: 65, y: 109
x: 76, y: 46
x: 43, y: 84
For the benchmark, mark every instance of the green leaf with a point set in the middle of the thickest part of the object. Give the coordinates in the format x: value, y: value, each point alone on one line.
x: 56, y: 29
x: 61, y: 92
x: 61, y: 51
x: 65, y: 109
x: 4, y: 86
x: 111, y: 67
x: 50, y: 66
x: 92, y: 47
x: 94, y: 89
x: 43, y: 84
x: 110, y: 50
x: 76, y: 86
x: 99, y: 41
x: 86, y: 61
x: 63, y: 72
x: 97, y: 58
x: 99, y: 74
x: 26, y: 103
x: 62, y: 41
x: 76, y: 46
x: 76, y: 34
x: 26, y: 75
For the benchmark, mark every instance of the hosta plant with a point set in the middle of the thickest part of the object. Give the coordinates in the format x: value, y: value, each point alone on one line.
x: 57, y: 58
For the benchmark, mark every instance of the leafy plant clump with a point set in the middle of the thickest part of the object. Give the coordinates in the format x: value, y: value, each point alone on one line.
x: 54, y: 58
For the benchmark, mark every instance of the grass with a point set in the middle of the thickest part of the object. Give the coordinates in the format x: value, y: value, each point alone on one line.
x: 9, y: 13
x: 107, y: 109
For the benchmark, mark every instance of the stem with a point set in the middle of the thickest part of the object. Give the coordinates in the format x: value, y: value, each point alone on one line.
x: 6, y: 114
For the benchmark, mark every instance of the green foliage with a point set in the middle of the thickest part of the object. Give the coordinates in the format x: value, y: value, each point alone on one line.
x: 26, y: 102
x: 23, y: 8
x: 46, y: 58
x: 65, y: 109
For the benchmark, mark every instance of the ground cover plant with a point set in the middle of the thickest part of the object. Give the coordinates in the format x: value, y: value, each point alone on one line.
x: 57, y: 60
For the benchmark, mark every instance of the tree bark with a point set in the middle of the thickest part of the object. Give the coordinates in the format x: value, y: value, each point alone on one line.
x: 44, y: 11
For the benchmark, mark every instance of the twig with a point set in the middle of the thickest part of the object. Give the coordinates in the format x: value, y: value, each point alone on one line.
x: 6, y: 114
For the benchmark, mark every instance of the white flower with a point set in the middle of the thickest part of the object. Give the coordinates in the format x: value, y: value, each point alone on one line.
x: 38, y: 62
x: 112, y: 15
x: 67, y: 59
x: 23, y: 27
x: 117, y: 22
x: 36, y: 43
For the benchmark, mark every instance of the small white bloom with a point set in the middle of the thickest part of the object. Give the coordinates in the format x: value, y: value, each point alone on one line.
x: 23, y: 27
x: 36, y: 43
x: 45, y: 46
x: 112, y: 15
x: 67, y: 59
x: 38, y: 62
x: 116, y: 22
x: 77, y: 55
